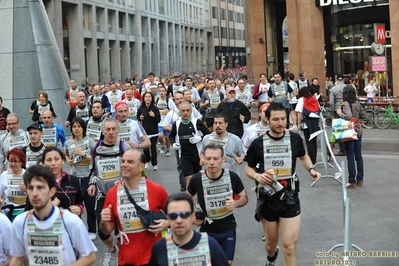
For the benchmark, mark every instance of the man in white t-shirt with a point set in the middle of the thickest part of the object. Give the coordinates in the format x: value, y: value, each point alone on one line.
x: 114, y: 96
x: 48, y: 235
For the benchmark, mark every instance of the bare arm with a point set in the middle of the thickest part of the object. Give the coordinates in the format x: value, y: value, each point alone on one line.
x: 106, y: 225
x: 308, y: 165
x: 83, y: 261
x: 145, y: 142
x: 19, y: 261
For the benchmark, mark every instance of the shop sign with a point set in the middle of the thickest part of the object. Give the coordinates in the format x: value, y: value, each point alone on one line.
x: 321, y: 3
x: 379, y: 33
x: 378, y: 63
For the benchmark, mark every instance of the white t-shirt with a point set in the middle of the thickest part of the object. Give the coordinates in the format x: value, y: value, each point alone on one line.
x: 5, y: 234
x: 4, y: 184
x: 251, y: 133
x: 264, y: 97
x: 194, y: 93
x: 173, y: 115
x: 77, y: 234
x: 114, y: 98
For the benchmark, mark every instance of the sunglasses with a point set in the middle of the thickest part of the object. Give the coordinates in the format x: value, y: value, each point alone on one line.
x: 184, y: 215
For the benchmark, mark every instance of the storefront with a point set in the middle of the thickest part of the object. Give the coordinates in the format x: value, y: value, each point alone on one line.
x: 324, y: 38
x: 351, y: 45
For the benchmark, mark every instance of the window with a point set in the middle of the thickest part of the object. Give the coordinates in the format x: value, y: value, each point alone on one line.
x: 231, y: 34
x: 223, y: 13
x: 224, y: 33
x: 231, y: 15
x: 215, y: 31
x: 214, y: 12
x: 238, y: 16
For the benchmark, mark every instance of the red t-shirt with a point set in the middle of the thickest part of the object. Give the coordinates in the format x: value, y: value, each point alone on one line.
x: 138, y: 251
x: 136, y: 94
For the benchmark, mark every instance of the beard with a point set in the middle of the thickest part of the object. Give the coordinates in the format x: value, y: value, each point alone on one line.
x: 230, y: 100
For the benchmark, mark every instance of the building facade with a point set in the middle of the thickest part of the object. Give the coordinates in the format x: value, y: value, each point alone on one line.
x: 324, y: 38
x: 228, y: 22
x: 118, y: 39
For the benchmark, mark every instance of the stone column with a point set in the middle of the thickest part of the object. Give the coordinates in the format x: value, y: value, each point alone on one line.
x: 76, y: 43
x: 306, y: 39
x: 91, y: 50
x: 394, y: 20
x: 255, y: 38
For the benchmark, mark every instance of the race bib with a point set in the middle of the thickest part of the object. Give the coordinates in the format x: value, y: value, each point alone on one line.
x: 108, y: 168
x: 49, y: 137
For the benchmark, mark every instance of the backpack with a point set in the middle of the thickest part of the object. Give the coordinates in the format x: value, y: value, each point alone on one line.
x: 311, y: 108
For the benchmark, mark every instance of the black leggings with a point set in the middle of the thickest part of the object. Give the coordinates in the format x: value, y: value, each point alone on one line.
x: 153, y: 156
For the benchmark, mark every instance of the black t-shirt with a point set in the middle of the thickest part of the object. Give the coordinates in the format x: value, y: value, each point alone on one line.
x: 3, y: 115
x: 224, y: 224
x: 255, y: 158
x: 159, y: 256
x: 34, y: 149
x: 188, y: 150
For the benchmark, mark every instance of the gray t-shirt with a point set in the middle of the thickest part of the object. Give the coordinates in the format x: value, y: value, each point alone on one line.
x: 232, y: 147
x: 81, y: 167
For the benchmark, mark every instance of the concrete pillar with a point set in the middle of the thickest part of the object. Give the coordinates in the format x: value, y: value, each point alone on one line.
x: 103, y: 46
x: 255, y: 38
x: 91, y: 50
x: 54, y: 12
x: 76, y: 42
x: 394, y: 20
x: 306, y: 39
x: 136, y: 51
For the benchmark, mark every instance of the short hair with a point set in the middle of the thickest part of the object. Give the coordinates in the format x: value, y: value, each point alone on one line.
x: 347, y: 80
x: 209, y: 79
x: 186, y: 78
x: 151, y: 74
x: 108, y: 120
x: 274, y: 107
x: 50, y: 149
x: 276, y: 73
x: 221, y: 115
x: 214, y: 146
x: 41, y: 173
x: 14, y: 115
x: 81, y: 122
x: 243, y: 79
x: 179, y: 92
x: 185, y: 103
x: 313, y: 79
x: 291, y: 76
x: 179, y: 197
x: 142, y: 157
x: 262, y: 74
x: 52, y: 113
x: 18, y: 154
x: 97, y: 101
x: 301, y: 74
x: 1, y: 99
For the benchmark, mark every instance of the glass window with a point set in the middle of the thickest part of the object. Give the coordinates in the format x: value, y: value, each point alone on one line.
x: 214, y: 12
x: 231, y: 15
x: 231, y: 34
x: 215, y: 31
x: 223, y: 13
x: 224, y: 33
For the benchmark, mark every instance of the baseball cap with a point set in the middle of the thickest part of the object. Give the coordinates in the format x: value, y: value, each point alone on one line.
x: 176, y: 74
x: 35, y: 126
x: 231, y: 88
x: 340, y: 76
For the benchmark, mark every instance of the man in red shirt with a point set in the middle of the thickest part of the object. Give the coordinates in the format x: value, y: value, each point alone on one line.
x: 136, y: 240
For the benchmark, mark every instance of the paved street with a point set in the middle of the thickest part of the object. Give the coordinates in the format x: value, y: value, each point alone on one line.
x: 375, y: 209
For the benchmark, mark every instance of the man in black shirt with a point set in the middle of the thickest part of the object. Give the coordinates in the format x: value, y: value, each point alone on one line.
x: 184, y: 138
x: 236, y: 112
x: 218, y: 204
x: 271, y: 161
x: 3, y: 115
x: 34, y: 150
